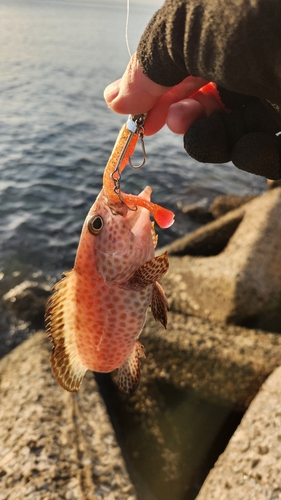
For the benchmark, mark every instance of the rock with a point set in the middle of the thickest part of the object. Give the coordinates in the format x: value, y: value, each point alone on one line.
x: 271, y: 184
x: 196, y: 376
x: 53, y: 444
x: 250, y: 467
x: 223, y: 363
x: 208, y: 240
x: 227, y: 202
x: 28, y: 302
x: 242, y: 284
x: 197, y: 213
x: 201, y: 214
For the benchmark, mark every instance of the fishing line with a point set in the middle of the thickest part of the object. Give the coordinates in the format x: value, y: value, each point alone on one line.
x: 127, y: 26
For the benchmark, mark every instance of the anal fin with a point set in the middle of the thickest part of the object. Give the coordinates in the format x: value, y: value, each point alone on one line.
x: 129, y: 372
x: 148, y: 273
x: 159, y: 304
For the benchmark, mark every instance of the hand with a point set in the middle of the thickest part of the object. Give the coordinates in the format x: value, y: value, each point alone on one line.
x: 193, y: 108
x: 177, y: 106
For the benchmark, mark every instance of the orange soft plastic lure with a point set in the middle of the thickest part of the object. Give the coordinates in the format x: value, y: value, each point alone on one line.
x: 121, y: 154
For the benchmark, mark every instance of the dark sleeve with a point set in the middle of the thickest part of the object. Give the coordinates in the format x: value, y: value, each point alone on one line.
x: 236, y: 44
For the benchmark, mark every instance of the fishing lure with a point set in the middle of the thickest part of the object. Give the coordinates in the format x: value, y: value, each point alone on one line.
x: 120, y: 157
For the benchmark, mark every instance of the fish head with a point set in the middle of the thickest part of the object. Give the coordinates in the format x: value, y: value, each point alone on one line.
x: 117, y: 238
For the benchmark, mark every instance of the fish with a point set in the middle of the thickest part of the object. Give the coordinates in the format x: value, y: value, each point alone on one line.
x: 98, y: 309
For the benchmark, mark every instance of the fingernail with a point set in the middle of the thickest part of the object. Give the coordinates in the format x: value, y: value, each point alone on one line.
x: 111, y: 92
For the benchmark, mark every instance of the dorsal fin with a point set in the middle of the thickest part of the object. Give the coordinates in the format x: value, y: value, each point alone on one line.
x: 66, y: 362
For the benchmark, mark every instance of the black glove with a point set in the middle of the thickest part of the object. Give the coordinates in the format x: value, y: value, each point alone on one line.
x: 238, y: 46
x: 246, y: 136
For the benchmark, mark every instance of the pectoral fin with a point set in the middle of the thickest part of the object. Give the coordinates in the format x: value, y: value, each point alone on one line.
x: 129, y: 372
x: 148, y: 273
x: 66, y: 362
x: 159, y: 304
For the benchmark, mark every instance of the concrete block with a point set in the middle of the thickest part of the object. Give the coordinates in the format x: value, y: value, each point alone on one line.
x: 242, y: 283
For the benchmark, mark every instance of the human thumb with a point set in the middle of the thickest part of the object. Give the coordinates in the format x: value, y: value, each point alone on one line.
x: 134, y: 93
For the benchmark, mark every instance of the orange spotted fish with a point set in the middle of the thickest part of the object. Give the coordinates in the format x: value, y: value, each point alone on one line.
x: 97, y: 311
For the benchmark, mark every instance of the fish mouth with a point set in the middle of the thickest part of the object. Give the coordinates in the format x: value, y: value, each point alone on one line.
x: 136, y: 217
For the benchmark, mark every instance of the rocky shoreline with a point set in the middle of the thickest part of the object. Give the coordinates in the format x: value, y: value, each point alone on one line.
x: 250, y: 466
x: 58, y: 445
x: 53, y: 444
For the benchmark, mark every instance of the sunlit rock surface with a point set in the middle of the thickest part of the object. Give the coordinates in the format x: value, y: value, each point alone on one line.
x: 235, y: 274
x: 250, y: 467
x: 57, y: 445
x: 53, y: 444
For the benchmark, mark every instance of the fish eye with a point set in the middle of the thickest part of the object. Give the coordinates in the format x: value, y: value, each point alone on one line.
x: 95, y: 224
